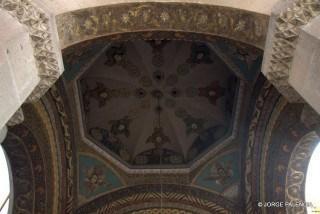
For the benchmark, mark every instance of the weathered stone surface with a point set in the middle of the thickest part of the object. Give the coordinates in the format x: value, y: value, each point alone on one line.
x: 286, y: 21
x: 3, y: 134
x: 18, y: 71
x: 17, y: 118
x: 30, y: 56
x: 90, y: 23
x: 41, y: 29
x: 305, y: 73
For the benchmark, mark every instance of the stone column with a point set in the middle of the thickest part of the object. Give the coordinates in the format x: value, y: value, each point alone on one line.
x: 30, y: 56
x: 18, y: 69
x: 291, y: 56
x: 3, y: 134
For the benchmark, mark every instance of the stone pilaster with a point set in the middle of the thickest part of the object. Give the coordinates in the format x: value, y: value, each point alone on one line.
x: 30, y: 56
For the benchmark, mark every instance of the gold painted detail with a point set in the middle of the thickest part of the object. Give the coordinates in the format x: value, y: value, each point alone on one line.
x: 112, y: 207
x: 68, y: 147
x: 90, y: 23
x: 251, y: 141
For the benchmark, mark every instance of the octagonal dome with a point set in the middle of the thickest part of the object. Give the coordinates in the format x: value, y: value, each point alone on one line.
x: 157, y: 101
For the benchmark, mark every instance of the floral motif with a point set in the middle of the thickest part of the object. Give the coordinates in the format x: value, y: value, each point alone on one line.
x: 212, y: 92
x: 220, y: 21
x: 101, y: 94
x: 200, y: 53
x: 121, y: 126
x: 164, y: 16
x: 115, y: 55
x: 159, y: 99
x: 125, y: 18
x: 203, y: 19
x: 193, y: 125
x: 158, y: 138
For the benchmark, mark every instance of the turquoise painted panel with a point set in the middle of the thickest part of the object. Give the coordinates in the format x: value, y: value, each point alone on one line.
x: 95, y: 177
x: 220, y: 173
x: 79, y: 56
x: 247, y: 60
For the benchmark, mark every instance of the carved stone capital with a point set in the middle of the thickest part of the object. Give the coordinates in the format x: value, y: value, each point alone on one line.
x: 17, y: 118
x: 285, y: 25
x: 42, y: 31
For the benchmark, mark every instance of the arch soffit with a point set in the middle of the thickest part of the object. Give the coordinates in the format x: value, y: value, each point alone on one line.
x: 297, y: 171
x: 123, y: 199
x: 209, y: 20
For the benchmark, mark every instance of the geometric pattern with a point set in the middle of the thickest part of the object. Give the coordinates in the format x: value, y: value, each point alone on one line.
x: 113, y: 202
x: 151, y: 102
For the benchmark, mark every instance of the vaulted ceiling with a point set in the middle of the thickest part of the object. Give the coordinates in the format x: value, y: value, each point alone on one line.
x: 144, y: 99
x: 141, y: 104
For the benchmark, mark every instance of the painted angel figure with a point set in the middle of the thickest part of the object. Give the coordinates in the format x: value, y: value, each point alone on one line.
x: 220, y: 172
x: 95, y: 178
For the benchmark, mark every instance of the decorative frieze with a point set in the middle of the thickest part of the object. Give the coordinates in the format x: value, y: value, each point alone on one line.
x: 90, y: 23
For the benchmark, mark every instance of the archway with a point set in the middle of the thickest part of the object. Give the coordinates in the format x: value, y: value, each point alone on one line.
x: 312, y: 185
x: 5, y: 193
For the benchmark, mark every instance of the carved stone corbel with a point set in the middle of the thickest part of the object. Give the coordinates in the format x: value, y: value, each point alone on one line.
x: 286, y: 21
x: 42, y: 31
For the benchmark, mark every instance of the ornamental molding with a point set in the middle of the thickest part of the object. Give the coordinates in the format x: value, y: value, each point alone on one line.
x: 67, y: 141
x: 41, y: 28
x: 297, y: 171
x: 253, y: 139
x: 118, y: 201
x: 91, y: 23
x: 285, y: 25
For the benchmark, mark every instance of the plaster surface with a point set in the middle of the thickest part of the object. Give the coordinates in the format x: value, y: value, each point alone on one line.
x: 18, y: 71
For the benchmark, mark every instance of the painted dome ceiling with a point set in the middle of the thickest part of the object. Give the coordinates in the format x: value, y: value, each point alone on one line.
x: 142, y: 100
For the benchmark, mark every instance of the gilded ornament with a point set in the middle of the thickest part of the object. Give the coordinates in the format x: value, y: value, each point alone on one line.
x: 125, y: 18
x: 203, y: 19
x: 164, y: 16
